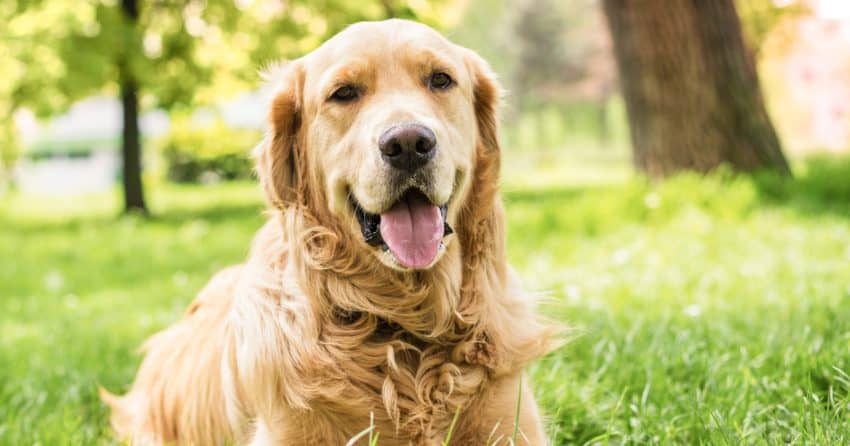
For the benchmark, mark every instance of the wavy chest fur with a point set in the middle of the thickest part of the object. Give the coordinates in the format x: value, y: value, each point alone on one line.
x: 322, y: 338
x: 412, y: 387
x: 362, y: 367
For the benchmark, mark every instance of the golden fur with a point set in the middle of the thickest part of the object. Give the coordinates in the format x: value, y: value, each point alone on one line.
x: 317, y: 331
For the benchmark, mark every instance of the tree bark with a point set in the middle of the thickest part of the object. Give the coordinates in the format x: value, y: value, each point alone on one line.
x: 389, y: 9
x: 691, y: 89
x: 134, y: 199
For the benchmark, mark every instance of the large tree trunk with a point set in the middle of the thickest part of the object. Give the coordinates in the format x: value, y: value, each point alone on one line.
x: 691, y: 89
x: 134, y: 199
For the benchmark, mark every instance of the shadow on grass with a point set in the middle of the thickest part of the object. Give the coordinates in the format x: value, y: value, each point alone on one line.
x: 822, y: 187
x: 177, y: 216
x: 540, y: 195
x: 214, y: 214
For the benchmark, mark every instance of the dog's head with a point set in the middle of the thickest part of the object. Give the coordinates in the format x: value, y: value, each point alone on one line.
x: 383, y: 130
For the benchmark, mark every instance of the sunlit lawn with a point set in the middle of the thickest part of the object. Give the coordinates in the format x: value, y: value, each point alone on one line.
x: 704, y: 310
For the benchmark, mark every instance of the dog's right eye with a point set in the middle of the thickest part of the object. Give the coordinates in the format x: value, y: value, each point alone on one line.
x: 346, y: 93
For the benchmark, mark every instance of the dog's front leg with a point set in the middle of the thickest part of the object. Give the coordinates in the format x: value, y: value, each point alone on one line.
x: 491, y: 421
x: 296, y: 428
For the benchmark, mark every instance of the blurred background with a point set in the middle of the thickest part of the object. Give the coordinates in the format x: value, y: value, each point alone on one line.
x: 676, y: 175
x: 183, y: 76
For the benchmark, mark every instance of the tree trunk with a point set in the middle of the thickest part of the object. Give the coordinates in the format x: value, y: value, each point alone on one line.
x: 389, y: 9
x: 691, y: 89
x: 134, y: 199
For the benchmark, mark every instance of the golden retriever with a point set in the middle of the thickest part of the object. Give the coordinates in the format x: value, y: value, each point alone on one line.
x: 378, y: 293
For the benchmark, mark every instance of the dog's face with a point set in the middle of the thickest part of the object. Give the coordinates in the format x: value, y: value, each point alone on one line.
x: 381, y: 122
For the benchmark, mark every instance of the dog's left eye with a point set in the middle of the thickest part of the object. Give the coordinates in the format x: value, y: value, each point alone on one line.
x: 346, y: 93
x: 440, y: 81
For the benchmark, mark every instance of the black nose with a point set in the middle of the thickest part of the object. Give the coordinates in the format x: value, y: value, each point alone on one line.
x: 408, y: 146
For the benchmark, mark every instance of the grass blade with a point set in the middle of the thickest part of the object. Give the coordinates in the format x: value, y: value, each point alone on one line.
x: 452, y: 427
x: 516, y: 417
x: 370, y: 431
x: 361, y: 434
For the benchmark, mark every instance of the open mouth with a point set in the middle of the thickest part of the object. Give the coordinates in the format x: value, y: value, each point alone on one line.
x: 412, y: 229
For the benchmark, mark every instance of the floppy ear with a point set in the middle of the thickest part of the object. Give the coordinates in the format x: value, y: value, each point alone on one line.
x: 486, y: 279
x: 481, y: 222
x: 276, y: 156
x: 487, y: 94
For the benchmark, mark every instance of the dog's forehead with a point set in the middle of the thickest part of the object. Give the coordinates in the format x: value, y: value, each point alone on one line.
x: 371, y: 40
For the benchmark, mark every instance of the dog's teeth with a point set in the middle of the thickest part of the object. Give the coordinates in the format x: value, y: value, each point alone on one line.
x: 369, y: 226
x: 372, y: 232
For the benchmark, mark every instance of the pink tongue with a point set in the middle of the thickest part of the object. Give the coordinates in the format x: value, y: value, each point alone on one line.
x: 412, y: 229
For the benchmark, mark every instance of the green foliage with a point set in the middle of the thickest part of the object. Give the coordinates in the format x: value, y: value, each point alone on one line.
x: 704, y: 310
x: 190, y: 151
x: 180, y: 54
x: 828, y: 179
x: 482, y: 29
x: 539, y: 44
x: 822, y: 185
x: 531, y: 43
x: 551, y: 126
x: 553, y: 60
x: 10, y: 149
x: 760, y: 17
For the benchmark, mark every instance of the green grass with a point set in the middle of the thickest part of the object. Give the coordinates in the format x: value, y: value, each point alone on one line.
x: 705, y: 310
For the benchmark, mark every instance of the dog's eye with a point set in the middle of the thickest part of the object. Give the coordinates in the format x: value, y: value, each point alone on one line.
x: 346, y: 93
x: 440, y: 81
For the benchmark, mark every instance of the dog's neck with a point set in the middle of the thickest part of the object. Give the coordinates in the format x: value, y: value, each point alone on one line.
x: 425, y: 360
x: 420, y: 345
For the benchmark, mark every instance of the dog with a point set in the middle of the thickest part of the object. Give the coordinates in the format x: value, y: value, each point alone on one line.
x: 377, y: 297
